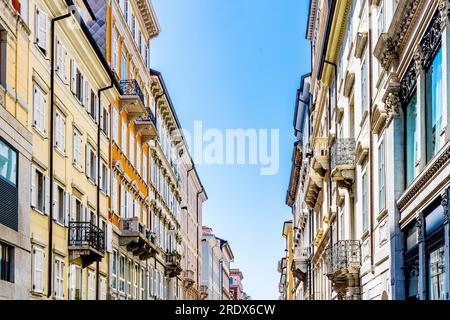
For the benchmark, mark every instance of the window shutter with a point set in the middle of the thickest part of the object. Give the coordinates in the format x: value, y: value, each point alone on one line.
x: 122, y: 201
x: 63, y: 134
x: 36, y: 27
x: 88, y: 161
x: 109, y: 235
x: 67, y: 207
x: 42, y: 30
x: 102, y: 118
x: 47, y: 194
x: 96, y: 169
x: 33, y: 187
x: 100, y: 177
x: 58, y: 58
x: 87, y: 100
x: 73, y: 210
x: 95, y: 102
x: 36, y: 106
x: 55, y: 202
x: 43, y: 104
x: 108, y: 181
x: 73, y: 75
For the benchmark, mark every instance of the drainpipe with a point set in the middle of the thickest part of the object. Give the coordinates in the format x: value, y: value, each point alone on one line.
x: 97, y: 291
x: 72, y: 10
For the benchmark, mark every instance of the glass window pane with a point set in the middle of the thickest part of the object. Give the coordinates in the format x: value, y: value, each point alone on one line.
x: 436, y: 271
x: 412, y: 141
x: 434, y: 106
x: 434, y: 220
x: 8, y: 163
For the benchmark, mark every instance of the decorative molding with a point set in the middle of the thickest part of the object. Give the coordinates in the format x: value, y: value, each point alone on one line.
x: 440, y: 162
x: 444, y: 203
x: 408, y: 83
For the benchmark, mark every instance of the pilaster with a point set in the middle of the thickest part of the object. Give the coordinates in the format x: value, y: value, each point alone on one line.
x: 420, y: 224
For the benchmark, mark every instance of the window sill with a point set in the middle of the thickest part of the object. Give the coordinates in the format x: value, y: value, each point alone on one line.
x: 42, y: 213
x: 60, y: 152
x: 39, y: 132
x: 382, y: 214
x: 363, y: 119
x: 79, y: 169
x: 365, y: 235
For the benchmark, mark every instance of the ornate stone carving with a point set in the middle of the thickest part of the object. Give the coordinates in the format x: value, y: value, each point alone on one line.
x: 393, y: 105
x: 408, y: 83
x: 418, y: 59
x: 444, y: 203
x: 419, y: 226
x: 444, y: 12
x: 431, y: 41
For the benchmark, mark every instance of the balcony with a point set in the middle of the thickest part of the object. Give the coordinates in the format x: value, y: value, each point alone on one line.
x: 300, y: 263
x: 321, y: 156
x: 343, y: 261
x: 343, y: 160
x: 146, y: 126
x: 137, y: 238
x: 188, y: 278
x: 173, y: 264
x: 314, y: 185
x: 86, y: 243
x: 132, y: 99
x: 203, y: 289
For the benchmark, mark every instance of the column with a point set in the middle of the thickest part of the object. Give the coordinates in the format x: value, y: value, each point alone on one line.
x: 421, y: 111
x: 447, y: 241
x: 395, y: 185
x: 422, y: 258
x: 444, y: 10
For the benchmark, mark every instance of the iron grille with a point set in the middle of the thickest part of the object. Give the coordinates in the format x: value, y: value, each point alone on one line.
x: 343, y: 255
x: 86, y: 234
x: 131, y: 88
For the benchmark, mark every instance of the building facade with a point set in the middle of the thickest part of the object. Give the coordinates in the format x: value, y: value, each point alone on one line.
x: 236, y: 285
x: 369, y: 185
x: 15, y: 152
x: 93, y: 159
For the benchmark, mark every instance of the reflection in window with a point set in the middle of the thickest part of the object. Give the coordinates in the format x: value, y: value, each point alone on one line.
x: 436, y: 271
x: 434, y: 106
x: 8, y: 163
x: 412, y: 141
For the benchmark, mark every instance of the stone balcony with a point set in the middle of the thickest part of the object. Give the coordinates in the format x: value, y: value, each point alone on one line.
x: 188, y: 278
x: 146, y: 126
x: 343, y: 262
x: 300, y: 263
x: 320, y: 161
x: 137, y: 239
x: 132, y: 99
x: 343, y: 162
x: 173, y: 264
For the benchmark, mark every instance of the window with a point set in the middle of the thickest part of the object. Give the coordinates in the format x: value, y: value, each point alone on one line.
x: 381, y: 178
x: 41, y: 30
x: 40, y: 191
x: 380, y: 19
x: 91, y: 285
x: 60, y: 204
x: 114, y: 263
x: 138, y: 158
x: 6, y: 262
x: 104, y: 177
x: 122, y: 274
x: 365, y: 212
x: 144, y: 167
x: 436, y: 271
x: 102, y: 289
x: 75, y: 286
x: 412, y: 140
x: 59, y: 278
x: 77, y: 84
x: 61, y: 57
x: 60, y: 132
x: 434, y: 106
x: 104, y: 121
x: 8, y: 163
x: 38, y: 270
x: 91, y: 102
x: 115, y: 52
x: 39, y: 106
x: 91, y: 164
x: 114, y: 194
x: 364, y: 88
x: 135, y: 282
x: 129, y: 276
x: 142, y: 285
x: 77, y: 150
x: 124, y: 137
x: 115, y: 123
x: 131, y: 147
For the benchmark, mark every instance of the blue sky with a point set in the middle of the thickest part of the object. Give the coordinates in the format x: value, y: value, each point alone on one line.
x: 237, y: 64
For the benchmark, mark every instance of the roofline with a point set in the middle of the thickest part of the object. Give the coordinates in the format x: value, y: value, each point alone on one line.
x: 154, y: 72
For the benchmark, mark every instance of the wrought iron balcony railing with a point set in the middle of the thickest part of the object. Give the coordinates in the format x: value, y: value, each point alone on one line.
x: 343, y: 256
x: 343, y: 154
x: 86, y: 235
x: 131, y: 88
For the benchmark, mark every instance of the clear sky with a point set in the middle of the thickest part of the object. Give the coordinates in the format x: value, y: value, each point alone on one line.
x: 237, y: 64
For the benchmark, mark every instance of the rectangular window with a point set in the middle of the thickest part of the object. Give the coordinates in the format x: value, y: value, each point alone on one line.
x: 436, y: 272
x: 77, y: 150
x: 77, y: 84
x: 8, y: 163
x: 59, y: 278
x: 129, y: 277
x: 131, y: 147
x: 38, y: 270
x: 102, y: 289
x: 6, y: 262
x: 104, y: 121
x: 365, y: 212
x: 61, y: 58
x: 124, y: 138
x: 104, y: 177
x: 434, y: 107
x: 364, y: 87
x: 115, y: 124
x: 115, y: 52
x: 136, y: 282
x: 59, y: 204
x: 114, y: 264
x: 91, y: 163
x: 381, y: 178
x: 142, y: 284
x: 39, y: 106
x: 40, y: 191
x: 144, y: 167
x: 76, y: 282
x: 114, y: 194
x: 412, y: 140
x: 138, y: 158
x: 92, y: 103
x: 122, y: 274
x: 60, y: 132
x: 91, y: 285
